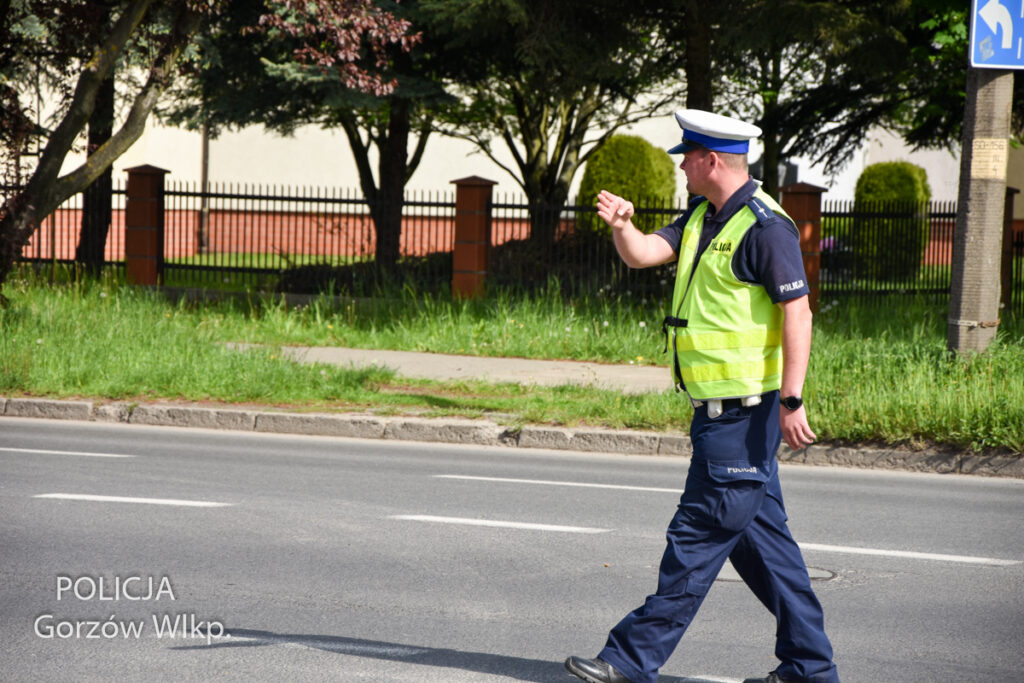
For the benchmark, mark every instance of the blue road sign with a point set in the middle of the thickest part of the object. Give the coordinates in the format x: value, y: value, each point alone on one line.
x: 997, y: 34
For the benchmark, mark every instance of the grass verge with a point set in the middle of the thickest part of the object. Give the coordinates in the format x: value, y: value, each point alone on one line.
x: 876, y: 375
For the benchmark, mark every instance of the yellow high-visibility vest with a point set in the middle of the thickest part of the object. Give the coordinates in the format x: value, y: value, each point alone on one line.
x: 727, y: 336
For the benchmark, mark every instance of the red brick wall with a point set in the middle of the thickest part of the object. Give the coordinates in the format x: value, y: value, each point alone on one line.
x: 265, y: 232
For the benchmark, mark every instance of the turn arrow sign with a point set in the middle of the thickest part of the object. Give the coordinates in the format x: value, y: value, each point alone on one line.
x: 996, y: 15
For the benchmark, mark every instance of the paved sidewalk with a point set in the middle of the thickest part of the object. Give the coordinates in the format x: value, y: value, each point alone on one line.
x: 631, y: 379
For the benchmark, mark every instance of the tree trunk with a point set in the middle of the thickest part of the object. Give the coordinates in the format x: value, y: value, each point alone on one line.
x: 96, y: 198
x: 699, y: 93
x: 203, y: 235
x: 546, y: 206
x: 387, y: 203
x: 770, y: 123
x: 770, y: 163
x: 46, y: 189
x: 17, y: 223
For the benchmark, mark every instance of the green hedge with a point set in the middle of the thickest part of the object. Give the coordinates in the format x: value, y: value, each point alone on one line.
x: 633, y: 168
x: 891, y: 231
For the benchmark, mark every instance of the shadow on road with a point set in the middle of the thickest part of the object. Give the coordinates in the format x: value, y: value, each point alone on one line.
x: 516, y: 668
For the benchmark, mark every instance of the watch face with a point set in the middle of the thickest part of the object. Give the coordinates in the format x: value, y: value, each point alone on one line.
x: 792, y: 402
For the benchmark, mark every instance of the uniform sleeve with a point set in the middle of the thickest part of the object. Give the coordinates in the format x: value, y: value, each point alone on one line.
x: 673, y: 232
x: 770, y: 256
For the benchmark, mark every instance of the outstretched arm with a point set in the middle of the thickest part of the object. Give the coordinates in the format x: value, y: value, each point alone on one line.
x: 796, y: 351
x: 637, y: 249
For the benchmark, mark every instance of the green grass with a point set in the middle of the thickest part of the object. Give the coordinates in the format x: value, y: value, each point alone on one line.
x: 877, y: 374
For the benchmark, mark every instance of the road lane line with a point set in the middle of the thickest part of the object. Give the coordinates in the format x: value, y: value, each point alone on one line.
x: 852, y: 550
x: 544, y: 482
x: 75, y: 453
x: 500, y: 524
x: 125, y: 499
x: 963, y: 559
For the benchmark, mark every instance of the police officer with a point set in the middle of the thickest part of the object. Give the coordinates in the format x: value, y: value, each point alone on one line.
x: 740, y: 333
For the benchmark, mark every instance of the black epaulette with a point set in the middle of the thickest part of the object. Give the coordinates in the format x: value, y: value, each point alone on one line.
x: 762, y: 212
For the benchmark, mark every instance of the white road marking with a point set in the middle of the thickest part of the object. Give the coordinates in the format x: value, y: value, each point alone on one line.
x: 820, y: 547
x: 964, y: 559
x: 500, y: 524
x: 76, y: 453
x: 544, y: 482
x: 125, y: 499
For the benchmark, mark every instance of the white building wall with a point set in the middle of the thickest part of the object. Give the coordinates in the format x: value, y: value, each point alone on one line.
x: 321, y: 158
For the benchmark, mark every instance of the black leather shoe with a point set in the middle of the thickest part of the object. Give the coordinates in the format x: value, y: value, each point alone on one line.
x: 770, y: 678
x: 594, y: 670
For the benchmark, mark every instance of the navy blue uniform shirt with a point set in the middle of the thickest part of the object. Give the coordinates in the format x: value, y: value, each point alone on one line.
x: 768, y: 255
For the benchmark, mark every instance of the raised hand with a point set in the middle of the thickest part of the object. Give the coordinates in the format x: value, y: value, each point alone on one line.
x: 614, y: 210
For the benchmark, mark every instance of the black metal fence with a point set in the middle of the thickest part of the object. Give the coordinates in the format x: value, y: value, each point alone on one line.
x: 298, y: 239
x: 307, y: 240
x: 56, y: 239
x: 873, y: 250
x: 580, y: 258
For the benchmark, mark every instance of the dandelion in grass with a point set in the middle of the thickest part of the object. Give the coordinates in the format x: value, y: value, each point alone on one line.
x: 39, y: 341
x: 605, y: 324
x: 639, y: 359
x: 643, y: 324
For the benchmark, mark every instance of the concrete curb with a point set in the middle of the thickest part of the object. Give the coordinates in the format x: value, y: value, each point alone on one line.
x: 487, y: 433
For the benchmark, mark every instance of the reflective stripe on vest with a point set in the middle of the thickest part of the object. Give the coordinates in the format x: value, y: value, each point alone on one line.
x: 729, y: 342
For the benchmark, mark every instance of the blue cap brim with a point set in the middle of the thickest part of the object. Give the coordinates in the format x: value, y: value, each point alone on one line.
x: 684, y: 147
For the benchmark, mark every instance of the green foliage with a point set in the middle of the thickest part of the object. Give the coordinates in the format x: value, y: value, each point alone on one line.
x: 633, y: 168
x: 549, y: 78
x: 899, y: 181
x: 891, y: 231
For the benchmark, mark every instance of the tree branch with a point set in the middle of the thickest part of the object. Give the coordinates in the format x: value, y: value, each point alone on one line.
x: 96, y: 70
x: 185, y: 24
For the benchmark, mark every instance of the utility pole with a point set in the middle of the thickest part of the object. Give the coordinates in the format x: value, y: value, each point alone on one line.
x: 978, y: 236
x: 997, y: 39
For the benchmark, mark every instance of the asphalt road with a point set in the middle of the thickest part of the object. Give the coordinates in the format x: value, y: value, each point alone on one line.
x: 216, y: 555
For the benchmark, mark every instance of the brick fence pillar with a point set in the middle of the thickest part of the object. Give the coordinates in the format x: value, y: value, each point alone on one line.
x: 472, y: 235
x: 144, y: 225
x: 1006, y: 270
x: 802, y: 201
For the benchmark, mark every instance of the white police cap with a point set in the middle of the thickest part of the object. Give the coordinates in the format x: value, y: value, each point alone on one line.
x: 713, y: 131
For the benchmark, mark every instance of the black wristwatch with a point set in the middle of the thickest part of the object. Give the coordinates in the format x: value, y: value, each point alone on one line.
x: 791, y: 402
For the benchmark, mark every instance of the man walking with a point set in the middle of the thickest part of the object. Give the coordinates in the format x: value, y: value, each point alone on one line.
x: 740, y: 332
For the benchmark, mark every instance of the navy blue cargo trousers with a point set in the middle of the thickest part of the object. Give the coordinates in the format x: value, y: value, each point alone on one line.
x: 731, y: 508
